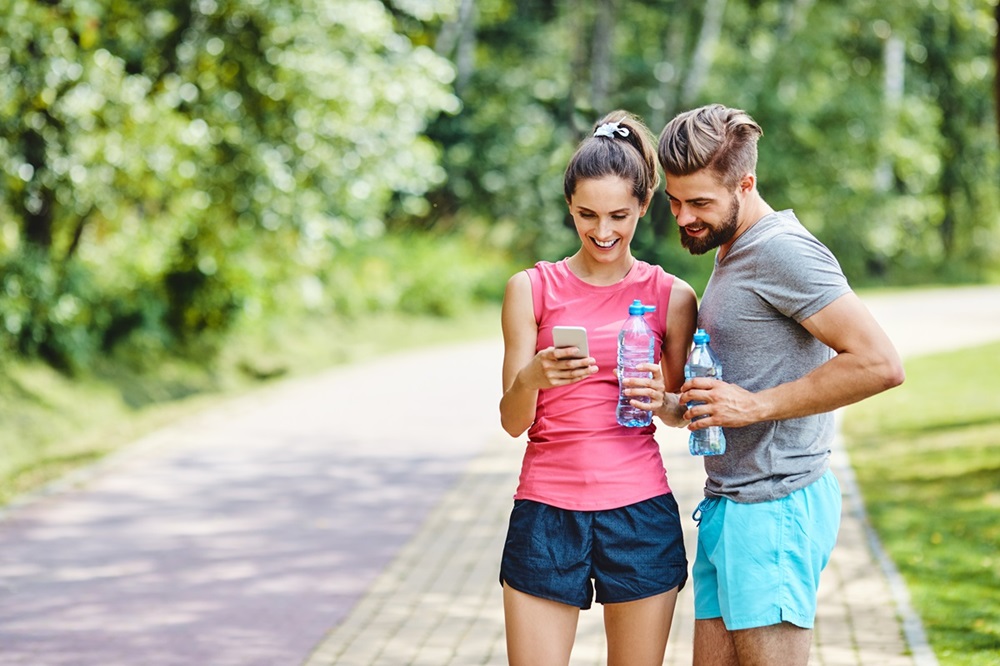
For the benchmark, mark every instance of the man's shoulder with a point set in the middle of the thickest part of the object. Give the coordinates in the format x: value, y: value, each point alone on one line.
x: 781, y: 226
x: 782, y: 238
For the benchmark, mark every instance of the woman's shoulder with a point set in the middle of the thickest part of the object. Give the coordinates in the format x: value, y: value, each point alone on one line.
x: 549, y: 267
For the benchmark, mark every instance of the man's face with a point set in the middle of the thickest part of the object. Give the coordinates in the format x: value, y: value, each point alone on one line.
x: 707, y: 213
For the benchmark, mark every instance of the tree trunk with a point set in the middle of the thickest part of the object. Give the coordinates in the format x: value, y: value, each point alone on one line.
x: 894, y: 59
x: 669, y: 71
x: 603, y: 51
x: 704, y: 51
x: 37, y: 203
x: 577, y: 24
x: 459, y: 36
x: 996, y: 68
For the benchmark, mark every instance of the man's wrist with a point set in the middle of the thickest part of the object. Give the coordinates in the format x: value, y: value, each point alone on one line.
x: 672, y: 411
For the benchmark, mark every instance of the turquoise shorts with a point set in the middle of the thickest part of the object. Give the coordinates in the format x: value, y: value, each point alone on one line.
x: 759, y: 564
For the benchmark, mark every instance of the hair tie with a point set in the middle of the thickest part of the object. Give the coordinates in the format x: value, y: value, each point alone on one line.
x: 610, y: 129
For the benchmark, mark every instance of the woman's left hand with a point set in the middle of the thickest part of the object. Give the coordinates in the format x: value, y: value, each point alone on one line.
x: 642, y: 387
x: 665, y: 405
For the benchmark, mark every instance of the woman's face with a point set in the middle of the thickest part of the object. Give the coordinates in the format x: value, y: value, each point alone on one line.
x: 605, y: 213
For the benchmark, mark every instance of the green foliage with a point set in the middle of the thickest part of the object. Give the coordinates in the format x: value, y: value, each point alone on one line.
x: 168, y: 166
x: 47, y: 313
x: 415, y: 274
x: 926, y: 457
x: 169, y: 170
x: 879, y: 129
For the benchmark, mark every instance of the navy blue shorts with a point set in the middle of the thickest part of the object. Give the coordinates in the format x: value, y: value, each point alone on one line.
x: 624, y: 554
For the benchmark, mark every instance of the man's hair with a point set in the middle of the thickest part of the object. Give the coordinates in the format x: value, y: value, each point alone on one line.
x: 712, y: 137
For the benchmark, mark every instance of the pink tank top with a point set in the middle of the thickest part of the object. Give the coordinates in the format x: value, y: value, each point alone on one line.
x: 578, y: 457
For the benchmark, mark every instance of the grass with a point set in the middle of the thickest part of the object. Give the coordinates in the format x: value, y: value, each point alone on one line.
x: 927, y: 457
x: 51, y: 424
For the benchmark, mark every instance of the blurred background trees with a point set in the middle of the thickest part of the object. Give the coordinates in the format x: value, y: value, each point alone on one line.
x: 175, y: 169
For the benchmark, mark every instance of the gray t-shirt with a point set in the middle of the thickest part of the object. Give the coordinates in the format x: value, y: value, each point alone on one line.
x: 774, y: 276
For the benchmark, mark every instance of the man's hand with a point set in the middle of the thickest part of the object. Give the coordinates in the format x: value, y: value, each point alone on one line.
x: 725, y: 405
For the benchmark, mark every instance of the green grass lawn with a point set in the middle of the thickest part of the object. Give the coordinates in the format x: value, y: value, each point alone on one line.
x: 927, y: 457
x: 51, y: 424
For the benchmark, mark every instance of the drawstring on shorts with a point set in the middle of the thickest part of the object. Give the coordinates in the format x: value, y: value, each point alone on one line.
x: 703, y: 506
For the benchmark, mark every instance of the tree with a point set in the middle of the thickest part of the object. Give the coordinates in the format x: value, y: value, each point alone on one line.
x: 185, y: 160
x: 878, y: 128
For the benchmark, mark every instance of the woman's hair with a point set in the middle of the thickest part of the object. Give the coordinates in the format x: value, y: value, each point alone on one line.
x: 713, y: 137
x: 619, y: 145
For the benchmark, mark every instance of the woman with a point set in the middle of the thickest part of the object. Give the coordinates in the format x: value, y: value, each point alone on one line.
x: 593, y: 511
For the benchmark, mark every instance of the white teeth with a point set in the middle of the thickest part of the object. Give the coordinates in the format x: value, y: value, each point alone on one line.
x: 605, y: 244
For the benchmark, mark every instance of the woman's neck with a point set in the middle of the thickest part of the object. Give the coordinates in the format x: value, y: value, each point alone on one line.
x: 600, y: 274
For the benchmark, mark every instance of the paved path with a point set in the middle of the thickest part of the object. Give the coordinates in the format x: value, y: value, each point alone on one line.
x: 356, y: 518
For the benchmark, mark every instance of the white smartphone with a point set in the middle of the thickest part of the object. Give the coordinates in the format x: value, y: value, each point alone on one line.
x: 571, y: 336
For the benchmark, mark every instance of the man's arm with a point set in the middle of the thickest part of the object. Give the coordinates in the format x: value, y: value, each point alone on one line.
x: 866, y: 363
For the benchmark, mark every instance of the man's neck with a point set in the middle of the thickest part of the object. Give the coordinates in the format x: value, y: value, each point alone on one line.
x: 752, y: 212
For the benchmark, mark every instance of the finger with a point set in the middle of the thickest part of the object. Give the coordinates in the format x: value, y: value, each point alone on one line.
x: 701, y: 411
x: 691, y: 395
x: 703, y: 383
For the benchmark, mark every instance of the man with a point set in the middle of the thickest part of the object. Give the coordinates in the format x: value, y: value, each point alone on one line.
x: 795, y: 344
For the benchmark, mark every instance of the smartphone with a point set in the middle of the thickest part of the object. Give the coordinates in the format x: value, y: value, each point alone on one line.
x: 571, y: 336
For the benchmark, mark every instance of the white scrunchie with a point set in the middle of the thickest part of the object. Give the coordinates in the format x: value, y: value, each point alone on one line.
x: 610, y: 129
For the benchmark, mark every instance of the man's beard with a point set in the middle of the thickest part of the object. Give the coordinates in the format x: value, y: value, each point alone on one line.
x: 716, y: 235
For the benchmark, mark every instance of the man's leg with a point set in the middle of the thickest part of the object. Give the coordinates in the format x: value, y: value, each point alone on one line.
x: 713, y: 645
x: 637, y: 631
x: 775, y: 645
x: 539, y: 632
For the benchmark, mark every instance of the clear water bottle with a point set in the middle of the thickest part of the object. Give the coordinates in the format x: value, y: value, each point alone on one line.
x: 635, y: 346
x: 704, y: 363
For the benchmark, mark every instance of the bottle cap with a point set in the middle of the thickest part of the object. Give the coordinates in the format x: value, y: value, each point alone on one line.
x: 701, y: 336
x: 637, y: 308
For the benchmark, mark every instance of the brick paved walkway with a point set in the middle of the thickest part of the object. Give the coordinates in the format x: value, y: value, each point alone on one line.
x: 439, y: 602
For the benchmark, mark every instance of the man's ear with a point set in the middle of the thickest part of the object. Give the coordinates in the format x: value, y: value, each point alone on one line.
x: 747, y: 183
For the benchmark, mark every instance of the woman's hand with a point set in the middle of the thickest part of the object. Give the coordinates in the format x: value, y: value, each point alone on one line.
x: 652, y: 387
x: 557, y: 366
x: 664, y: 404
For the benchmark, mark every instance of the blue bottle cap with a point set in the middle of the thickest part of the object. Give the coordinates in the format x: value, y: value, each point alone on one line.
x: 637, y: 308
x: 701, y: 336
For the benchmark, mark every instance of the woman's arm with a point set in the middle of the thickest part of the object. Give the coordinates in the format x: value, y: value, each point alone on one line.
x: 525, y: 373
x: 682, y: 319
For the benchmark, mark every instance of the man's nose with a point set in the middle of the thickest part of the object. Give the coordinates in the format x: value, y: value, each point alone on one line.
x: 685, y: 216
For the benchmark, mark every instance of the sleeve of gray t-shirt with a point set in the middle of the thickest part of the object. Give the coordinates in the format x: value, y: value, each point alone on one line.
x: 803, y: 276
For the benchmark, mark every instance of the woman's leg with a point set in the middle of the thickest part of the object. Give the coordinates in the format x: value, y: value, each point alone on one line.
x: 637, y: 631
x: 540, y: 632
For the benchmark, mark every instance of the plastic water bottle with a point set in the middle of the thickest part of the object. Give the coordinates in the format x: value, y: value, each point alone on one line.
x: 635, y: 346
x: 703, y: 362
